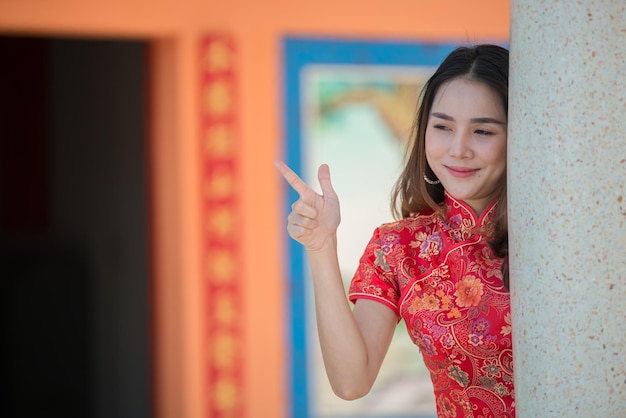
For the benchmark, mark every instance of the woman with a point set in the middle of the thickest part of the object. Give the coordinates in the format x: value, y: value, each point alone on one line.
x: 441, y: 267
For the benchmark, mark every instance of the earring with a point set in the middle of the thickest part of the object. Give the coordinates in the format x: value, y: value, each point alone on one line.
x: 429, y: 181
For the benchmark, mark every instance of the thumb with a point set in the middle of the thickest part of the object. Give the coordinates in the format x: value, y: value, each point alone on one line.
x: 323, y: 175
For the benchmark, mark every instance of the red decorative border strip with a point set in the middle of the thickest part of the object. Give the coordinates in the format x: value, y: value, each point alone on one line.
x: 221, y: 262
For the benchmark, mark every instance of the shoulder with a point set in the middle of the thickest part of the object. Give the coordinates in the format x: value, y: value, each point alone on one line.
x: 420, y: 222
x: 394, y: 242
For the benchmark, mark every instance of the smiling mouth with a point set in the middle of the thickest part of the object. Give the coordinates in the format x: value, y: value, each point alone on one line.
x: 461, y: 171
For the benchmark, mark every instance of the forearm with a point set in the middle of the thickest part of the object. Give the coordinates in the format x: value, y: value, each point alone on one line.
x: 343, y: 346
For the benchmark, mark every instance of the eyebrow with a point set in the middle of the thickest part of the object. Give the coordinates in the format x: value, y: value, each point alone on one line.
x: 473, y: 120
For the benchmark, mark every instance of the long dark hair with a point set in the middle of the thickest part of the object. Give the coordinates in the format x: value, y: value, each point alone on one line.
x: 487, y: 64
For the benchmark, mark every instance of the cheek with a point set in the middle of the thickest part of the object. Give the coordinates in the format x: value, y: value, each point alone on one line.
x: 433, y: 147
x: 496, y: 154
x: 431, y: 154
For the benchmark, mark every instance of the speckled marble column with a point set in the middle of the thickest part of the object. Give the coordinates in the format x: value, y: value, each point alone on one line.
x: 567, y: 207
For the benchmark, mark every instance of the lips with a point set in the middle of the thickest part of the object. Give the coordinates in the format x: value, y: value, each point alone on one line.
x: 461, y: 171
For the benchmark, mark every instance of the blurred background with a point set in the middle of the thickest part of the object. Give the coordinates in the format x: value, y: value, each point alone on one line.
x: 144, y: 264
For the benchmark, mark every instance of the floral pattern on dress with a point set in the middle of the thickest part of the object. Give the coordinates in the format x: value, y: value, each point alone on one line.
x: 439, y: 275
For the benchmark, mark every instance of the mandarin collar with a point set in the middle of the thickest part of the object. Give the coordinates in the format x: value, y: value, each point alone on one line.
x: 463, y: 223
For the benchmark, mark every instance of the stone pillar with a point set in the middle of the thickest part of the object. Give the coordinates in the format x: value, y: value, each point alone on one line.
x: 567, y: 207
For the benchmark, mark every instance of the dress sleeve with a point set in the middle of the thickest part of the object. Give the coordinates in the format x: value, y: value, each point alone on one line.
x: 375, y: 278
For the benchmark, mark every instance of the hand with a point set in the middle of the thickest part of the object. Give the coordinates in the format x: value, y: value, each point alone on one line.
x: 314, y: 218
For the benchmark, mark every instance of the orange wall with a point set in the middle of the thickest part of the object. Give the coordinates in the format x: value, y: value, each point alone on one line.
x: 175, y: 27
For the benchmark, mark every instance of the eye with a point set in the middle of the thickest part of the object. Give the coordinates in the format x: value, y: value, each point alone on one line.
x: 483, y: 132
x: 441, y: 127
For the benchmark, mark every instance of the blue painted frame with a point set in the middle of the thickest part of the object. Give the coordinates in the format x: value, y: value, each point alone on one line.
x: 297, y: 54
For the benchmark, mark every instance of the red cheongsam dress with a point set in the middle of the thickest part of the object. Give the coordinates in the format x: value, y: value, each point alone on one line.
x: 439, y: 275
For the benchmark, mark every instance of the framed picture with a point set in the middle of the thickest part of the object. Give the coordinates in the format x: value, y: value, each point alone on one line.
x: 351, y: 104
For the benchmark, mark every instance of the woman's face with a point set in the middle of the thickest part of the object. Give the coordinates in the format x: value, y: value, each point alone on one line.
x: 466, y: 141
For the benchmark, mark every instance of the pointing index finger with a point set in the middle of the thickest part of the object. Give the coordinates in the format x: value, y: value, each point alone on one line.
x: 291, y: 177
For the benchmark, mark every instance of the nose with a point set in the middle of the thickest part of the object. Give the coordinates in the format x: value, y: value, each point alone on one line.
x: 460, y: 146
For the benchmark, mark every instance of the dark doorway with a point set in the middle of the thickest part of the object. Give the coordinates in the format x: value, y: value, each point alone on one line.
x: 74, y: 232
